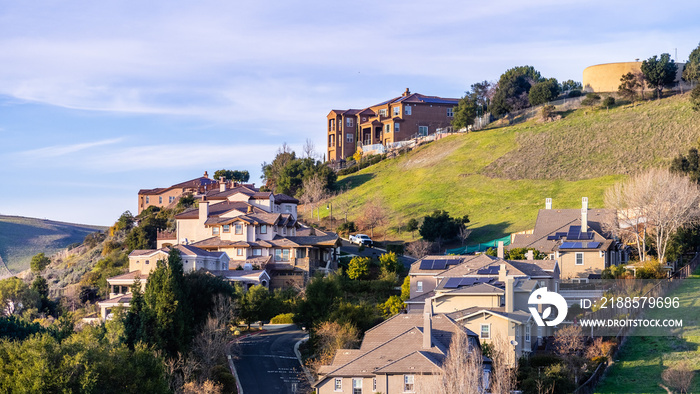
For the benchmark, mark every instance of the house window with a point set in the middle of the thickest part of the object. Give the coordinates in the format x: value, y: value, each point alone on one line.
x: 147, y: 262
x: 374, y: 384
x: 382, y: 112
x: 331, y: 124
x: 301, y: 253
x: 263, y: 229
x: 160, y: 199
x: 215, y: 231
x: 257, y: 252
x: 397, y: 111
x: 450, y: 112
x: 349, y: 121
x: 147, y: 200
x: 284, y: 231
x: 239, y: 229
x: 239, y: 252
x: 485, y: 331
x: 579, y: 258
x: 227, y: 228
x: 396, y: 127
x: 349, y: 137
x: 419, y: 286
x: 281, y: 254
x: 356, y: 385
x: 408, y: 381
x: 338, y: 384
x: 288, y: 209
x: 527, y: 333
x: 387, y: 128
x: 407, y: 110
x: 517, y: 333
x: 423, y: 130
x: 171, y: 199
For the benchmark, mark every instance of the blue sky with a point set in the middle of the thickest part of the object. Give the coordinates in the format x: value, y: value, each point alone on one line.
x: 101, y: 99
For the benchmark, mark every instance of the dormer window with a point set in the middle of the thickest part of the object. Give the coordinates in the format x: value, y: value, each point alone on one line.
x: 239, y: 229
x: 214, y: 231
x: 263, y: 229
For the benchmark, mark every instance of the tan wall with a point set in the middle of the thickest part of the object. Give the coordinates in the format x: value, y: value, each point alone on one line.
x: 145, y: 264
x: 454, y: 303
x: 500, y: 328
x: 606, y: 77
x: 593, y: 263
x: 342, y: 148
x: 154, y: 201
x: 192, y: 229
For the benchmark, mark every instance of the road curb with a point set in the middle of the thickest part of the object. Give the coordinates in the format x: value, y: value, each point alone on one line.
x: 309, y: 377
x: 229, y: 356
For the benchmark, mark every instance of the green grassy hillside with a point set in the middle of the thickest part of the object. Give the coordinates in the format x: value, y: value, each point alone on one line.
x: 21, y: 238
x: 501, y: 177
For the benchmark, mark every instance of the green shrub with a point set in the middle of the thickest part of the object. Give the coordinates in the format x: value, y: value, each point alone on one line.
x: 284, y: 318
x: 609, y: 101
x: 695, y: 98
x: 591, y: 99
x: 575, y: 93
x: 346, y: 228
x: 397, y: 248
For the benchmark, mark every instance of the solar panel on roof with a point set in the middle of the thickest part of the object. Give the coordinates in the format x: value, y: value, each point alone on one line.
x: 453, y: 261
x: 439, y: 264
x: 426, y: 264
x: 452, y: 283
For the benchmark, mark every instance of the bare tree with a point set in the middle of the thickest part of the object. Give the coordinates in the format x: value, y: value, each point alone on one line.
x: 679, y: 376
x: 210, y: 343
x: 373, y: 216
x: 462, y: 370
x: 658, y: 201
x: 314, y: 192
x: 503, y: 366
x: 419, y: 249
x: 464, y: 233
x: 569, y: 343
x: 309, y: 148
x: 329, y: 337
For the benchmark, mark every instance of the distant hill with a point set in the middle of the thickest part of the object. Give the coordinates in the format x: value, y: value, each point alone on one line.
x: 501, y: 177
x: 22, y: 237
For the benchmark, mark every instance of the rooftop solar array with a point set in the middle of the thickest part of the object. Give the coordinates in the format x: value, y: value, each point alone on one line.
x: 579, y: 245
x: 453, y: 283
x: 556, y: 236
x: 492, y: 270
x: 575, y: 234
x: 438, y: 264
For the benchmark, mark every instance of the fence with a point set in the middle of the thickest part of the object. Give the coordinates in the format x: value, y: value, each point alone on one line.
x: 657, y: 291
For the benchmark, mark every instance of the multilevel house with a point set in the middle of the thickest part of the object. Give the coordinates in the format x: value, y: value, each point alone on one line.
x: 142, y: 262
x: 398, y: 119
x: 169, y: 196
x: 576, y: 238
x: 258, y: 228
x: 488, y: 295
x: 401, y: 355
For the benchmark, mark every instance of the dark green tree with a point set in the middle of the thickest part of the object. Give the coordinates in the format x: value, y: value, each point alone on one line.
x: 232, y: 175
x: 322, y: 296
x: 543, y: 92
x: 628, y: 86
x: 570, y: 85
x: 691, y: 69
x: 465, y: 112
x: 440, y: 226
x: 513, y: 88
x: 659, y: 72
x: 412, y: 225
x: 39, y: 262
x: 287, y: 173
x: 41, y: 288
x: 125, y: 222
x: 254, y: 305
x: 695, y: 98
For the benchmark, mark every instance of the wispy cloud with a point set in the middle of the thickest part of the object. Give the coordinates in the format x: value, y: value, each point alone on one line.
x: 63, y: 150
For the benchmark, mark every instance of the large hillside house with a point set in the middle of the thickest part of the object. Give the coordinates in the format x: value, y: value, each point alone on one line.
x: 259, y: 228
x: 142, y: 262
x: 488, y: 295
x: 169, y: 196
x: 398, y: 119
x: 577, y: 239
x: 401, y: 355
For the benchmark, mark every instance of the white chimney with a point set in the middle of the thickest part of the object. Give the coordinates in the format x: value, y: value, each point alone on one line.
x: 203, y: 209
x: 530, y: 255
x: 247, y: 267
x: 502, y: 273
x: 548, y: 203
x: 584, y: 215
x: 510, y: 282
x: 428, y: 324
x: 222, y: 184
x: 500, y: 250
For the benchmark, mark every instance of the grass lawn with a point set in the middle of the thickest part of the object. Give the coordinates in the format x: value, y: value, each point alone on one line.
x: 643, y: 359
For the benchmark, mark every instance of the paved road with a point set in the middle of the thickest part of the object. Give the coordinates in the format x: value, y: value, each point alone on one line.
x: 266, y: 362
x: 347, y: 247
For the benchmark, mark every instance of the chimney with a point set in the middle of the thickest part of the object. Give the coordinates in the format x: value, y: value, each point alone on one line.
x: 203, y: 209
x: 548, y: 203
x: 510, y: 282
x: 500, y: 250
x: 406, y: 93
x: 530, y: 255
x: 206, y: 174
x: 428, y: 324
x: 584, y: 214
x: 222, y: 184
x: 502, y: 273
x: 250, y: 209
